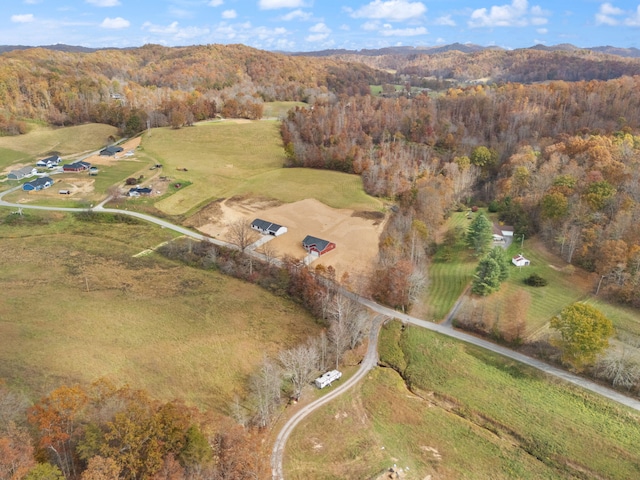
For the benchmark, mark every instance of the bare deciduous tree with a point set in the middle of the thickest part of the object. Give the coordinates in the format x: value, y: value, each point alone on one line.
x: 265, y: 392
x: 242, y: 234
x: 299, y: 364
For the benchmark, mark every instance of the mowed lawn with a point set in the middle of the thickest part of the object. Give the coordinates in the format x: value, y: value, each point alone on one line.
x: 77, y: 306
x: 514, y: 422
x: 229, y: 158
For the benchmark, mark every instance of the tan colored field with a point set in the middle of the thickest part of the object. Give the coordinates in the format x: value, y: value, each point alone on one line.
x: 106, y: 160
x: 356, y: 237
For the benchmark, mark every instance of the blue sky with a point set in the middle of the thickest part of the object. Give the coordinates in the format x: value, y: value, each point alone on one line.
x: 303, y: 25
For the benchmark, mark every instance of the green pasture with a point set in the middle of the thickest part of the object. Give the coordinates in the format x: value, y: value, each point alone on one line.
x: 448, y: 278
x: 227, y: 158
x: 78, y: 306
x: 41, y: 141
x: 514, y: 422
x: 10, y: 157
x: 280, y: 109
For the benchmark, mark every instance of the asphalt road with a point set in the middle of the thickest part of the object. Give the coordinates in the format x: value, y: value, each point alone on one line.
x: 371, y: 357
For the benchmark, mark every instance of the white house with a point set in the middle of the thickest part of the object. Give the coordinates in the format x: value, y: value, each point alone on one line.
x: 520, y: 261
x: 268, y: 228
x: 49, y: 162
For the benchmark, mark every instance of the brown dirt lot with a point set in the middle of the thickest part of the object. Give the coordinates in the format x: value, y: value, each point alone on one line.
x: 355, y: 235
x: 105, y: 160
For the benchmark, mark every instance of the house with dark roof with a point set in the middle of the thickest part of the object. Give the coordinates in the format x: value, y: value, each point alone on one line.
x: 268, y: 228
x: 110, y: 151
x: 137, y: 191
x: 317, y: 246
x: 49, y: 162
x: 21, y: 173
x: 502, y: 234
x: 38, y: 184
x: 80, y: 166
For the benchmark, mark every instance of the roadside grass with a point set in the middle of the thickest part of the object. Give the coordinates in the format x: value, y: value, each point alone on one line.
x: 280, y: 109
x: 227, y: 158
x: 77, y: 306
x: 514, y: 423
x: 626, y: 320
x: 42, y: 140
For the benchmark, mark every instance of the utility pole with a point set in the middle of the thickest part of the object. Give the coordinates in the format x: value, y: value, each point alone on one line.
x: 522, y: 243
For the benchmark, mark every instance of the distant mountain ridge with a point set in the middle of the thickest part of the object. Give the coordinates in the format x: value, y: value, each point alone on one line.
x: 631, y: 52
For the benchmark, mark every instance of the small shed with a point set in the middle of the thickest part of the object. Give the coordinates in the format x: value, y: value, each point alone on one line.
x: 21, y: 173
x: 268, y: 228
x: 110, y: 151
x: 317, y: 246
x: 327, y: 378
x: 520, y: 261
x: 38, y: 184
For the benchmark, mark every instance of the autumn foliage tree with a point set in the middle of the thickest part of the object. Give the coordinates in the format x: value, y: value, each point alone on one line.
x: 584, y: 332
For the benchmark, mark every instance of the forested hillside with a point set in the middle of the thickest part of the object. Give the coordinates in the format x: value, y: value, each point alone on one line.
x: 176, y: 86
x: 497, y: 65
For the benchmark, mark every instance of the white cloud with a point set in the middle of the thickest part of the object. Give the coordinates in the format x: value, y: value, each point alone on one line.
x: 515, y: 14
x: 316, y: 37
x: 168, y: 30
x: 32, y: 2
x: 606, y: 14
x: 175, y: 31
x: 25, y: 18
x: 273, y: 4
x: 371, y: 26
x: 296, y: 15
x: 215, y: 3
x: 320, y: 28
x: 542, y: 31
x: 446, y: 21
x: 634, y: 19
x: 228, y: 14
x: 387, y: 31
x: 104, y: 3
x: 391, y: 10
x: 115, y: 23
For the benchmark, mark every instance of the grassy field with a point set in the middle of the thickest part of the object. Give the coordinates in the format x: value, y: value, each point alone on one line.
x: 448, y: 278
x: 78, y: 306
x: 41, y: 141
x: 280, y: 109
x: 228, y: 158
x: 514, y: 422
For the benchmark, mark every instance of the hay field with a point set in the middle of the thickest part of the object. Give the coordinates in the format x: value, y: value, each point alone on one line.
x: 78, y: 306
x: 67, y: 141
x: 228, y: 158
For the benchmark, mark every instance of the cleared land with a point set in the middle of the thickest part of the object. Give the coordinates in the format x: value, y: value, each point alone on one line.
x: 514, y: 423
x: 224, y: 159
x: 77, y: 305
x: 41, y: 141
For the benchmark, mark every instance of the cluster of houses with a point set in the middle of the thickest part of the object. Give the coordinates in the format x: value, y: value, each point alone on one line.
x: 53, y: 162
x: 313, y: 245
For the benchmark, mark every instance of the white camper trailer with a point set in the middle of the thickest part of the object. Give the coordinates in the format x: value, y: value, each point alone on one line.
x: 327, y: 378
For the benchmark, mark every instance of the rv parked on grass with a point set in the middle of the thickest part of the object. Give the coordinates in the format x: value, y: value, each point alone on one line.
x: 328, y: 378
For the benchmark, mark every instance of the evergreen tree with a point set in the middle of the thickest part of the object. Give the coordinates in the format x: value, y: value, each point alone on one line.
x: 500, y: 256
x: 487, y: 277
x: 480, y: 234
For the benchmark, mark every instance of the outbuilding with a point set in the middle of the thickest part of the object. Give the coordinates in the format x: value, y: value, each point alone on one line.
x: 110, y: 151
x: 520, y: 261
x: 21, y: 173
x: 268, y: 228
x: 38, y: 184
x: 317, y: 246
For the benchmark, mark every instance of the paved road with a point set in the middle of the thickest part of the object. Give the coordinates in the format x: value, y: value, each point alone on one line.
x: 370, y: 360
x: 440, y: 328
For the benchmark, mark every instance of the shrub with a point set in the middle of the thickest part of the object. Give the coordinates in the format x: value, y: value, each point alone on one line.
x: 535, y: 280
